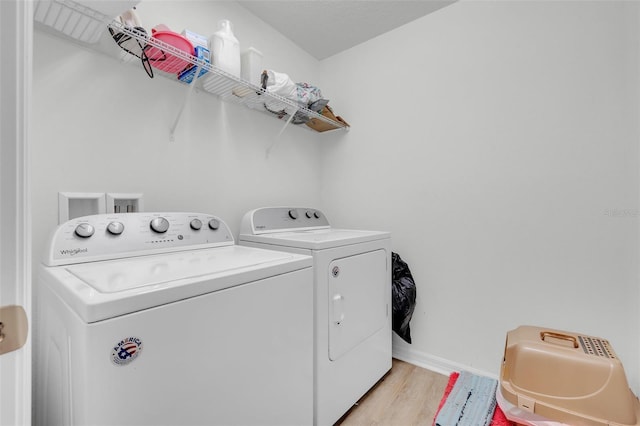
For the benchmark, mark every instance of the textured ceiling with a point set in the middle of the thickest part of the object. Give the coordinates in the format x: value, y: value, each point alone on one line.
x: 326, y: 27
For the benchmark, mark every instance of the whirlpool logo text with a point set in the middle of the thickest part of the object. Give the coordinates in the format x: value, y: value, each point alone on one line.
x: 73, y: 252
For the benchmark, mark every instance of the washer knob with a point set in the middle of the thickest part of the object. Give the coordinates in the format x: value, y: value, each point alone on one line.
x: 115, y: 228
x: 159, y: 225
x: 293, y: 214
x: 214, y: 224
x: 196, y: 224
x: 308, y: 214
x: 316, y: 215
x: 84, y: 230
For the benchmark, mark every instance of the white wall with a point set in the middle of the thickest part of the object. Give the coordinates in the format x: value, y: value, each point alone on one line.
x: 498, y: 142
x: 102, y: 126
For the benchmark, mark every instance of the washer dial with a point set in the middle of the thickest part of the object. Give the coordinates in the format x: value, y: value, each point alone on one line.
x: 84, y: 230
x: 115, y: 228
x: 214, y: 224
x: 159, y: 225
x: 196, y: 224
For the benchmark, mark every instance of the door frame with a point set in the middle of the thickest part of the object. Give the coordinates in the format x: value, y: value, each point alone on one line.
x: 16, y: 48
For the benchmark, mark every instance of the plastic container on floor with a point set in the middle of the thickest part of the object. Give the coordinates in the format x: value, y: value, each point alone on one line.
x: 566, y: 377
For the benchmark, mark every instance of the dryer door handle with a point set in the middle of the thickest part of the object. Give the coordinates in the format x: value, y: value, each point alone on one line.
x: 338, y: 312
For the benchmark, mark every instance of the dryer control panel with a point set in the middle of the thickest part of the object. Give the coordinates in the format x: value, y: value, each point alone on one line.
x: 281, y: 219
x: 113, y: 236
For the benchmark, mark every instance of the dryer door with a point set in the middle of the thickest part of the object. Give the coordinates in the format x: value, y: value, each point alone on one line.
x: 358, y: 293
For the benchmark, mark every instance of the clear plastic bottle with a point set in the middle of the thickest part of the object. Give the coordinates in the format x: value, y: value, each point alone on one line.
x: 225, y: 49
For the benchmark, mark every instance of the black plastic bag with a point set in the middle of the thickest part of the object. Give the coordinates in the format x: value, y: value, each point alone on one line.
x: 404, y: 297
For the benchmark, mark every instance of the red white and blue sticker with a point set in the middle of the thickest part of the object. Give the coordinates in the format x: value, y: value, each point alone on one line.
x: 126, y: 351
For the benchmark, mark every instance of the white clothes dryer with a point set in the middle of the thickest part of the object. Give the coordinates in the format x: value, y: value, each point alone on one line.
x: 352, y: 308
x: 160, y: 319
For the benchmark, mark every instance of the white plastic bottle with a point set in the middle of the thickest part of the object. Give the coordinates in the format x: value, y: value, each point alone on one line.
x: 226, y: 49
x: 251, y: 61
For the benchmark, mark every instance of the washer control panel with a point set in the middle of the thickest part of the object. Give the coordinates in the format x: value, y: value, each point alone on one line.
x: 112, y: 236
x: 280, y: 219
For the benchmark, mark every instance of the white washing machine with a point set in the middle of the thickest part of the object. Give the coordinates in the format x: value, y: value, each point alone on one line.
x: 160, y: 319
x: 352, y: 306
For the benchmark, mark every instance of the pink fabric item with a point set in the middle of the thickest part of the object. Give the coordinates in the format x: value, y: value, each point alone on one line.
x: 498, y: 419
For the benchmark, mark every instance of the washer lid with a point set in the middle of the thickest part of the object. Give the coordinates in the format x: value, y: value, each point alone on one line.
x: 106, y: 289
x: 127, y: 274
x: 319, y: 239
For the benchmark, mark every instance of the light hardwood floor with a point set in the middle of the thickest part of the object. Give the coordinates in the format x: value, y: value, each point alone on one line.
x: 408, y: 395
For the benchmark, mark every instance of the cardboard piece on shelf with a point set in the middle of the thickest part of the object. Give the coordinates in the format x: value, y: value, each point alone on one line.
x: 322, y: 126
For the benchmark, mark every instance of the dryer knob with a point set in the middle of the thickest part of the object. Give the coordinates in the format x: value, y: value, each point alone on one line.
x: 196, y: 224
x: 309, y: 214
x: 159, y: 225
x: 115, y: 228
x: 214, y: 224
x: 316, y: 215
x: 84, y: 230
x: 293, y: 214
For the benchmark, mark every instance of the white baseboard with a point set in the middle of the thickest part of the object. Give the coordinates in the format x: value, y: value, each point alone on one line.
x: 405, y: 353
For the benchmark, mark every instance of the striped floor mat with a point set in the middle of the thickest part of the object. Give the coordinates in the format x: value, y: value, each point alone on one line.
x: 471, y: 402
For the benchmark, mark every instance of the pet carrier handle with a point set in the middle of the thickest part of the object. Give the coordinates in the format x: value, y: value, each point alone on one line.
x: 560, y: 336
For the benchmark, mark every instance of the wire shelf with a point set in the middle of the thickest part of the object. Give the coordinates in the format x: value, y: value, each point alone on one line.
x: 71, y: 19
x: 86, y: 25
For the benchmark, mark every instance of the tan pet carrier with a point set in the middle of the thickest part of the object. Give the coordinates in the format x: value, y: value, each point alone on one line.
x: 566, y: 377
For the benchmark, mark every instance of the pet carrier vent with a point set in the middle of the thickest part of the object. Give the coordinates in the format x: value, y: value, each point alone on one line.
x: 596, y: 346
